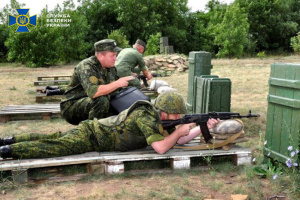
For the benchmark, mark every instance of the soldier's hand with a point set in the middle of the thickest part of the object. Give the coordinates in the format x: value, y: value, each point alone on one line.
x: 184, y: 129
x: 212, y: 122
x: 123, y: 82
x: 134, y: 74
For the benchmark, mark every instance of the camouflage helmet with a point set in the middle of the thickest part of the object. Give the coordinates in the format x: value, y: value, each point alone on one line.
x: 170, y: 102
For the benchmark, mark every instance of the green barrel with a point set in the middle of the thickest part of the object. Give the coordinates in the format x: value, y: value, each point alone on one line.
x: 213, y: 94
x: 199, y: 64
x: 283, y: 114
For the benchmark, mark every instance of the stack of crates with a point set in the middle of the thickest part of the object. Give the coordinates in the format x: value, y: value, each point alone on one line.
x: 283, y: 114
x: 206, y: 93
x: 212, y: 94
x: 199, y: 64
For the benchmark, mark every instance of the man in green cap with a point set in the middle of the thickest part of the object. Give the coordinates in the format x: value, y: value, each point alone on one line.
x: 129, y: 58
x: 93, y: 83
x: 134, y: 128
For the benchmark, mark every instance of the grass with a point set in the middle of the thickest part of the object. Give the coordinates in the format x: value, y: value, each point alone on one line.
x: 249, y: 79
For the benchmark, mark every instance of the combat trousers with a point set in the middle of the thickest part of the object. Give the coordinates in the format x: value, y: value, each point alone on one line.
x: 57, y: 144
x: 86, y: 108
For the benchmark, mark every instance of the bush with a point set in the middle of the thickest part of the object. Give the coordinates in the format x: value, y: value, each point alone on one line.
x: 295, y: 43
x: 153, y: 44
x: 120, y: 38
x: 261, y: 54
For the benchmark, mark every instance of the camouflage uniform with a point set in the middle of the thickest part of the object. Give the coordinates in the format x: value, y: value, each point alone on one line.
x: 141, y: 127
x: 128, y: 59
x: 78, y: 103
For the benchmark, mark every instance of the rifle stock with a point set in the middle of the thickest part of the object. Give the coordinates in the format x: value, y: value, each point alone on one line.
x: 201, y: 120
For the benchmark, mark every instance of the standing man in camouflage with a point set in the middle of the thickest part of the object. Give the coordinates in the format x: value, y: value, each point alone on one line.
x: 93, y: 83
x: 129, y: 58
x: 134, y: 128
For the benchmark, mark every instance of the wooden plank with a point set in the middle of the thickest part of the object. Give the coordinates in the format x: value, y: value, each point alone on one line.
x: 30, y: 109
x: 40, y: 78
x: 90, y: 157
x: 120, y: 157
x: 50, y: 110
x: 24, y: 112
x: 49, y: 82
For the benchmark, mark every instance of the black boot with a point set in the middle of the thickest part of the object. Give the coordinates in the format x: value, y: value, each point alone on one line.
x: 7, y: 141
x: 53, y: 92
x: 5, y: 152
x: 51, y: 87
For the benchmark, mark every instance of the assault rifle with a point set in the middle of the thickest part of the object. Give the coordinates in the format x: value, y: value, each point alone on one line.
x: 201, y: 119
x: 143, y: 77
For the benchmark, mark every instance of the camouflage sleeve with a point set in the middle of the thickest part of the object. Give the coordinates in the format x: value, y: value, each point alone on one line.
x: 141, y: 62
x: 89, y: 79
x: 150, y: 126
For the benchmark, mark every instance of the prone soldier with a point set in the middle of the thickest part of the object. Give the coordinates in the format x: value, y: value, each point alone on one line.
x: 134, y: 128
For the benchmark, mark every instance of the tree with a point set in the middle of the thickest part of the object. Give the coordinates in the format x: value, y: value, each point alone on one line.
x: 232, y: 32
x: 272, y: 22
x: 101, y: 17
x: 4, y: 30
x: 142, y: 18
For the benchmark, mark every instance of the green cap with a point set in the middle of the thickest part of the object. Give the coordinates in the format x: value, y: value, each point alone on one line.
x: 141, y: 42
x: 106, y: 45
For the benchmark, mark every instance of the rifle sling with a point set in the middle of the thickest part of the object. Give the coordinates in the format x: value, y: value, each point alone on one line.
x: 211, y: 146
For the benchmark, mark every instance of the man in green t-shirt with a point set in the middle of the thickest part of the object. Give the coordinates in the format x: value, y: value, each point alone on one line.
x: 93, y: 83
x: 134, y: 128
x: 128, y: 59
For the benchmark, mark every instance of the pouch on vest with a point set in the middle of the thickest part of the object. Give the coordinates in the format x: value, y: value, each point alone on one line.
x: 126, y: 98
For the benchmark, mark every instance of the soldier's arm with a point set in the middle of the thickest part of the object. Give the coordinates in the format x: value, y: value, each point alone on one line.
x: 196, y: 131
x: 147, y: 74
x: 109, y: 88
x: 163, y: 146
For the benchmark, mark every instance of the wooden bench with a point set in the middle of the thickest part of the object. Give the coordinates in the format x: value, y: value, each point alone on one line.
x: 52, y: 82
x: 43, y: 81
x: 26, y: 112
x: 41, y: 78
x: 113, y: 162
x: 42, y: 96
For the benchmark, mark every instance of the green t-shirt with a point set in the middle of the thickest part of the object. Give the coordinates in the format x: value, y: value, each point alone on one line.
x: 128, y: 59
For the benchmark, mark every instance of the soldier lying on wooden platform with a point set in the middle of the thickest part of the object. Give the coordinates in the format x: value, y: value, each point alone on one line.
x: 134, y: 128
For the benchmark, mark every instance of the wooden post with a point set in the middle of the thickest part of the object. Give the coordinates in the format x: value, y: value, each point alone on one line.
x: 4, y: 118
x: 96, y: 168
x: 242, y: 158
x: 180, y: 163
x: 46, y: 116
x: 114, y: 167
x: 20, y: 176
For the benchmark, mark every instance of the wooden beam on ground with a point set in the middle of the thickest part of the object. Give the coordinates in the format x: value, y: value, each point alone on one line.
x: 52, y: 82
x: 26, y: 112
